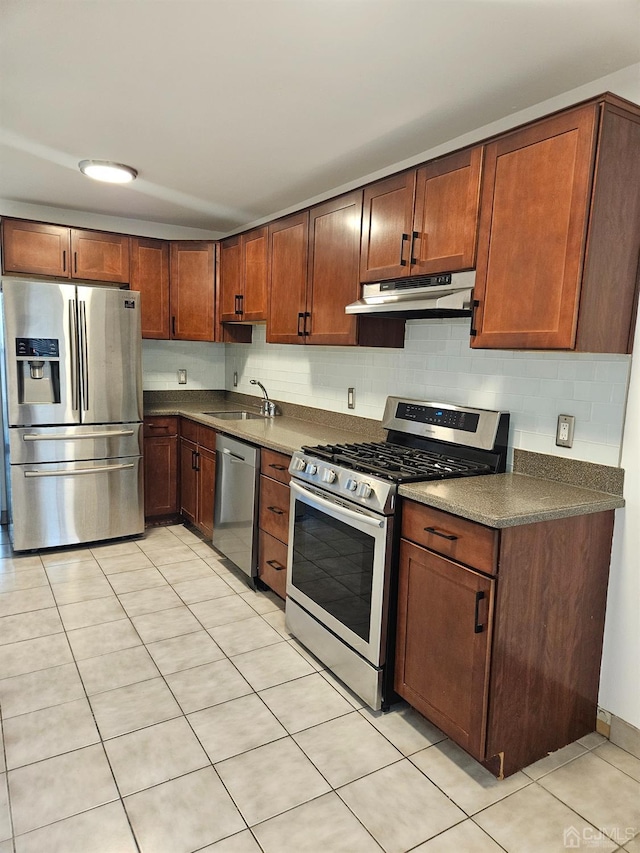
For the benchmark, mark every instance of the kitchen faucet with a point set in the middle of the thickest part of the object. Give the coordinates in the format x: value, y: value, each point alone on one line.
x: 267, y: 406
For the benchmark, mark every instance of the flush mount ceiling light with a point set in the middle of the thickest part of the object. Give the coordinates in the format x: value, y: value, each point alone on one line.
x: 105, y: 170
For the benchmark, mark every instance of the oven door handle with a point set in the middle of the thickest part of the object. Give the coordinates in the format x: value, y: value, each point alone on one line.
x: 336, y: 509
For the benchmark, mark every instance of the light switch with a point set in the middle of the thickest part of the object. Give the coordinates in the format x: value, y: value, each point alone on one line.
x: 182, y: 377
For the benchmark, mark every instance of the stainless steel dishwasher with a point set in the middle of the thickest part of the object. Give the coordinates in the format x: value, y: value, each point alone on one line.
x: 235, y: 531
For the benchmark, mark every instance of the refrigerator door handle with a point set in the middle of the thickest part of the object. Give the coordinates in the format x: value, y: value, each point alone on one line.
x: 73, y: 343
x: 84, y: 355
x: 102, y: 434
x: 77, y: 471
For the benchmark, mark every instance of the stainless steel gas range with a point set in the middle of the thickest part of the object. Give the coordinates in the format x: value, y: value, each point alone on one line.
x: 344, y: 530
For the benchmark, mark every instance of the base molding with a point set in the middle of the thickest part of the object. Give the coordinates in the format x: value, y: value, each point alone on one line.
x: 620, y: 732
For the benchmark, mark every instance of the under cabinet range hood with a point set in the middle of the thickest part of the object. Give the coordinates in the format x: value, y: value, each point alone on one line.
x: 423, y: 297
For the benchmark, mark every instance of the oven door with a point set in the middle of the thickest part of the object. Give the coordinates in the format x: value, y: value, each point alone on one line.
x: 337, y: 568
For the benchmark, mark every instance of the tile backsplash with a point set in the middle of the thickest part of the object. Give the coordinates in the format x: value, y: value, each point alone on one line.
x: 161, y: 360
x: 438, y: 363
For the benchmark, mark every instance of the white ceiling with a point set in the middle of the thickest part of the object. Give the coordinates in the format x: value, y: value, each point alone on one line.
x: 232, y: 110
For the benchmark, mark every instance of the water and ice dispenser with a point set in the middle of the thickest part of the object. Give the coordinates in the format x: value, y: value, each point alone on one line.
x: 38, y: 370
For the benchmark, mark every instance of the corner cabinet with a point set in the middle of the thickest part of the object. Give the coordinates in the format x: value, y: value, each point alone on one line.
x: 273, y: 533
x: 313, y: 262
x: 37, y: 248
x: 500, y: 632
x: 192, y: 290
x: 423, y: 221
x: 559, y: 233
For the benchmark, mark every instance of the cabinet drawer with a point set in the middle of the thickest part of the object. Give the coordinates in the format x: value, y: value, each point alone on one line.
x: 457, y: 538
x: 272, y: 563
x: 160, y: 426
x: 274, y: 508
x: 275, y: 465
x: 207, y: 437
x: 189, y: 429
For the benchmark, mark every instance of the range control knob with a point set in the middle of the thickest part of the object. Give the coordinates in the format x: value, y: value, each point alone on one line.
x: 351, y: 484
x: 365, y: 490
x: 311, y: 468
x: 299, y: 464
x: 328, y: 475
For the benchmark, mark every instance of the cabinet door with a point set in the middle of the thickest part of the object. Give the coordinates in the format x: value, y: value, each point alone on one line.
x: 192, y: 291
x: 334, y: 229
x: 98, y: 256
x: 255, y: 274
x: 533, y: 220
x: 33, y: 247
x: 230, y: 279
x: 445, y: 615
x: 206, y: 490
x: 189, y: 480
x: 445, y: 219
x: 288, y: 250
x: 150, y: 275
x: 386, y: 228
x: 160, y: 476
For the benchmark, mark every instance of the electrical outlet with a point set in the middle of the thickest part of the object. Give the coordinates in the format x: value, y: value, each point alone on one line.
x: 182, y: 377
x: 564, y: 430
x: 351, y: 398
x: 235, y: 378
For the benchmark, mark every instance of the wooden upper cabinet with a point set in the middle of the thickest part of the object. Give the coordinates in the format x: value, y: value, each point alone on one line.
x: 423, y: 221
x: 288, y: 256
x: 230, y: 279
x: 150, y: 275
x: 99, y: 256
x: 33, y: 247
x: 255, y: 274
x: 192, y: 290
x: 533, y: 227
x: 334, y: 241
x: 559, y: 234
x: 53, y: 250
x: 243, y: 277
x: 386, y: 227
x: 445, y: 223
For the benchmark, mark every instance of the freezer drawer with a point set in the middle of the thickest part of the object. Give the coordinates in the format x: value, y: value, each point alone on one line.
x: 74, y: 443
x: 69, y: 503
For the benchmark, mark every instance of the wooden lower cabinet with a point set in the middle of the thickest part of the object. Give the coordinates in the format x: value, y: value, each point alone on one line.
x: 273, y: 534
x: 505, y: 661
x: 197, y: 475
x: 160, y: 467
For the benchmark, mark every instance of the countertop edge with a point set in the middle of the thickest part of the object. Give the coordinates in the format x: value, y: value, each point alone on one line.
x: 602, y: 501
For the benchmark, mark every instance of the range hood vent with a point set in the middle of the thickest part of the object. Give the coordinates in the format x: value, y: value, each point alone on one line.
x: 422, y: 297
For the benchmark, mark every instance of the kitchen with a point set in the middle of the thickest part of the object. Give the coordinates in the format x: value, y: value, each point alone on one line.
x: 435, y: 360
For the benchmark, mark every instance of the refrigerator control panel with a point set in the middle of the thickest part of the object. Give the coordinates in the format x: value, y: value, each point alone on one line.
x: 37, y: 347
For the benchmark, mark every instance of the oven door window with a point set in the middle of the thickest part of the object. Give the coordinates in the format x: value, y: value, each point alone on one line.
x: 333, y: 565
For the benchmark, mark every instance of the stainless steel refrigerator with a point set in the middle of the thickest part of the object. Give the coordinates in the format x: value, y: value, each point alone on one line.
x: 72, y: 406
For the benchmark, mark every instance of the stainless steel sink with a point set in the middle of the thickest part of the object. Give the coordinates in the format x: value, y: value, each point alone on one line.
x: 235, y: 416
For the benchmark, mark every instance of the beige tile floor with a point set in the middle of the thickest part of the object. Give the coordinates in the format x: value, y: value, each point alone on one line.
x: 151, y: 701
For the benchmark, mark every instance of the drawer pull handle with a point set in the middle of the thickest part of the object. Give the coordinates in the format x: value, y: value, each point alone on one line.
x: 275, y: 565
x: 276, y: 509
x: 477, y: 626
x: 435, y: 532
x: 278, y: 467
x: 156, y: 426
